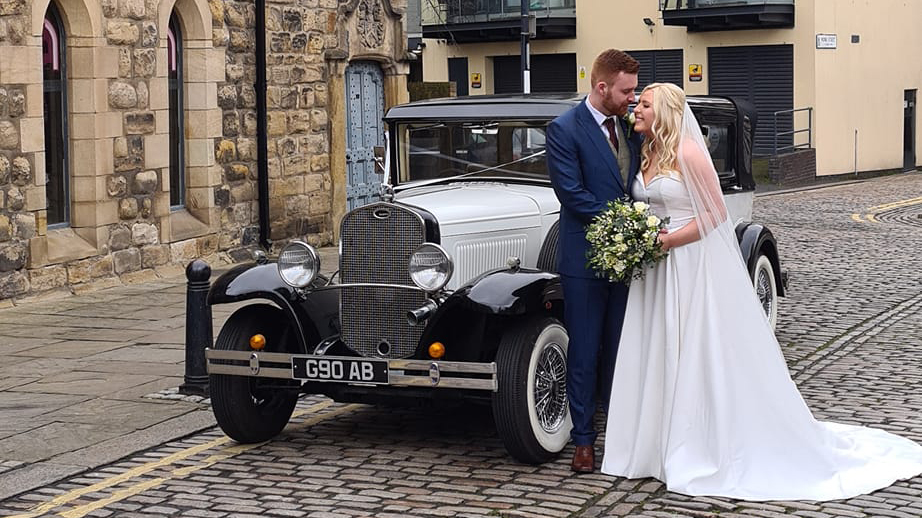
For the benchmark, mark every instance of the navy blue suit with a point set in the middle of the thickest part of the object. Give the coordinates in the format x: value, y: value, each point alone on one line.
x: 586, y: 176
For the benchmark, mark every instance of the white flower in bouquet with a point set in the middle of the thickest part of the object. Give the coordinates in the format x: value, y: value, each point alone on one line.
x: 622, y: 240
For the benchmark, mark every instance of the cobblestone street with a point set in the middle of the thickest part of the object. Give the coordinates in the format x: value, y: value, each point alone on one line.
x: 850, y: 329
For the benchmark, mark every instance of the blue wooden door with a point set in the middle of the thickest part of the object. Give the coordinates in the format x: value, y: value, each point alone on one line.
x: 364, y: 131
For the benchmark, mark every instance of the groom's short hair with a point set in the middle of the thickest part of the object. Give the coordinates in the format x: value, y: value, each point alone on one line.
x: 609, y: 63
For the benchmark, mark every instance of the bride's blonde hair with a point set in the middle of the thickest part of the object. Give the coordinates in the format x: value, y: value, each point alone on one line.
x: 668, y: 108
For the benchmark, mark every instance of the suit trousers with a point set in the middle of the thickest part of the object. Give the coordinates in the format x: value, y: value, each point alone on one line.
x: 593, y: 314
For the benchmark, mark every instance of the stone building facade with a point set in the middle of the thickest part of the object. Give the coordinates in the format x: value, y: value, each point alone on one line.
x: 155, y: 112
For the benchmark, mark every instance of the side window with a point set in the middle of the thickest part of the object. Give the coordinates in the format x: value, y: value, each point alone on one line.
x: 54, y: 90
x: 719, y: 139
x: 526, y: 142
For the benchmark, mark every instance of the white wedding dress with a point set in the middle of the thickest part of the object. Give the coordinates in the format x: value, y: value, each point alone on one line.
x: 702, y: 398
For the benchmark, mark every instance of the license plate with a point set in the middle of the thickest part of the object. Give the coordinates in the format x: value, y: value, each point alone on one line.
x: 340, y: 370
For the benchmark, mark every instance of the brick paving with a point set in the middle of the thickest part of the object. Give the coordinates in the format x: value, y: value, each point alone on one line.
x: 851, y: 330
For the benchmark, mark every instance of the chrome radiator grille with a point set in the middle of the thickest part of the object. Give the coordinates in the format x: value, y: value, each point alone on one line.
x: 377, y: 241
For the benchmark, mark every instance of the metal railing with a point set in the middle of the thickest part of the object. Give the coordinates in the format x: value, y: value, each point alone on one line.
x: 793, y: 132
x: 668, y: 5
x: 473, y: 11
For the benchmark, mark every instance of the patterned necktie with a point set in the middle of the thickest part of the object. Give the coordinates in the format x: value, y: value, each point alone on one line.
x: 612, y: 133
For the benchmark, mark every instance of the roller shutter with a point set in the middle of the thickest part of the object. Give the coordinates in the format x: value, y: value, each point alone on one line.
x: 764, y: 76
x: 549, y: 73
x: 658, y: 66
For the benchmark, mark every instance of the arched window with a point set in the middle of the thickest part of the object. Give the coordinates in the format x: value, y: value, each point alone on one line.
x: 57, y: 189
x: 177, y: 133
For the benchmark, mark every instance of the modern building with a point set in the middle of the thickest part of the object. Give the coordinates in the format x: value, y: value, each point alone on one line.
x: 839, y: 77
x: 137, y: 135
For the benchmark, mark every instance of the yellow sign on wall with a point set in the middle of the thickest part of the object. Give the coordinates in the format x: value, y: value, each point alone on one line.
x: 475, y: 80
x: 694, y: 72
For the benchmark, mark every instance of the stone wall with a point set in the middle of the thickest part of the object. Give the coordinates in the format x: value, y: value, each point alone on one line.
x: 122, y: 227
x: 17, y: 172
x: 795, y: 168
x: 299, y: 151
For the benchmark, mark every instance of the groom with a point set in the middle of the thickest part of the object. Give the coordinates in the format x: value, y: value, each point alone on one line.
x: 592, y: 159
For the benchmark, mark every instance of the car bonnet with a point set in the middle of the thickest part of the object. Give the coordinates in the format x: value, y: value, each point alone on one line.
x: 480, y: 207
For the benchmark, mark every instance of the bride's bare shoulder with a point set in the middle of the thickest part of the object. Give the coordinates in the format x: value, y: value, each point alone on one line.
x: 691, y: 152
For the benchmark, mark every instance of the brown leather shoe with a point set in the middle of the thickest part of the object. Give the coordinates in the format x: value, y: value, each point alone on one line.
x: 583, y: 459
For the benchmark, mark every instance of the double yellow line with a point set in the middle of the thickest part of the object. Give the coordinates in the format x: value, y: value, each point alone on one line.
x: 121, y: 494
x: 874, y: 211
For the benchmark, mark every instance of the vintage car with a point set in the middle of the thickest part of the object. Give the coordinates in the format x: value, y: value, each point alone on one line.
x: 446, y: 288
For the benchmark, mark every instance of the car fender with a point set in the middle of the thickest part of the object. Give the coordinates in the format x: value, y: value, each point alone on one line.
x: 752, y: 238
x: 466, y: 321
x: 308, y: 315
x: 512, y: 292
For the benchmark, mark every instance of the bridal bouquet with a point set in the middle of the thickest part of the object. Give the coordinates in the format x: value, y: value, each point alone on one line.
x: 622, y: 240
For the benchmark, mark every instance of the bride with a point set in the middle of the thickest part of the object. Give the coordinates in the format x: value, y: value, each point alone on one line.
x: 702, y: 399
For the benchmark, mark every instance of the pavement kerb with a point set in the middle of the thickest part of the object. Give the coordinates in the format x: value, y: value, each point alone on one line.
x: 811, y: 187
x: 825, y: 184
x: 31, y: 475
x: 39, y: 474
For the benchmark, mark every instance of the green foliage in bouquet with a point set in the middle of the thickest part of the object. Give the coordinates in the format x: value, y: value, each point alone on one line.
x: 622, y: 240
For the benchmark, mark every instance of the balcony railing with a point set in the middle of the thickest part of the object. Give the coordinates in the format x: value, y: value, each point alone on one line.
x: 694, y: 4
x: 475, y: 11
x: 721, y: 15
x: 496, y: 20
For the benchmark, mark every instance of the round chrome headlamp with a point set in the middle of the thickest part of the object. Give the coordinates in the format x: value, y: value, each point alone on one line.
x: 430, y: 267
x: 298, y: 264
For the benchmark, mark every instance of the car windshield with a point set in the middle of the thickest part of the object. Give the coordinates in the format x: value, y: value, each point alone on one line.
x: 488, y: 149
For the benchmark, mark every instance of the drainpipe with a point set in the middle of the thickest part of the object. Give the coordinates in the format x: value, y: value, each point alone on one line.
x: 262, y: 146
x: 526, y: 62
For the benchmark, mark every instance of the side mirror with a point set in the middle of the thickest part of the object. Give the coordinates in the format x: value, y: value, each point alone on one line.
x: 380, y: 153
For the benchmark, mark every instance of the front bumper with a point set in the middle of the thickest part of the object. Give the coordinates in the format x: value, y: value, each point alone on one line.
x: 397, y: 373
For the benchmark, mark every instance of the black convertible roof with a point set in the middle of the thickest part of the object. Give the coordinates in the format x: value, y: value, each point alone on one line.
x: 479, y: 107
x: 512, y: 106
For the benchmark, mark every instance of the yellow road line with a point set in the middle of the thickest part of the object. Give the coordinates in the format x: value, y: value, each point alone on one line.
x: 119, y: 495
x: 166, y: 461
x: 893, y: 205
x: 873, y: 211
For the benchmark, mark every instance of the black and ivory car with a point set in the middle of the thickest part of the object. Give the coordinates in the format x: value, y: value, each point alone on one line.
x: 446, y: 288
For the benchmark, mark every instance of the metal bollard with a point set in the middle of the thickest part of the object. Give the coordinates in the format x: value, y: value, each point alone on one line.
x: 198, y: 328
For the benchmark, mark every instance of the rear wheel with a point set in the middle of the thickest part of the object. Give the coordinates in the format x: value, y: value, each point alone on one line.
x: 763, y: 279
x: 530, y: 408
x: 251, y: 409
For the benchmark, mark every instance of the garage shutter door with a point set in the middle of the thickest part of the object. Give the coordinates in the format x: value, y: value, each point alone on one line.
x: 658, y: 66
x: 549, y: 73
x: 762, y: 75
x: 507, y: 75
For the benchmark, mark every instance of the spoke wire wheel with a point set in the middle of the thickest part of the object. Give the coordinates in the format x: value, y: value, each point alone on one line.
x: 547, y: 387
x: 763, y: 281
x: 530, y: 406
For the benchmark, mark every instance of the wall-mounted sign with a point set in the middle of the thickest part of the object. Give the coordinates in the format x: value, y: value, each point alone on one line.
x: 475, y: 80
x: 825, y: 41
x: 694, y: 72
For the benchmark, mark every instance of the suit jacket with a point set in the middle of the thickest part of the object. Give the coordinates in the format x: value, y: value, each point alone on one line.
x: 585, y: 176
